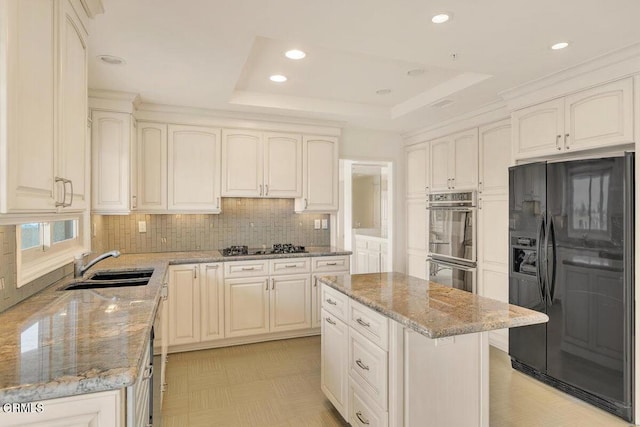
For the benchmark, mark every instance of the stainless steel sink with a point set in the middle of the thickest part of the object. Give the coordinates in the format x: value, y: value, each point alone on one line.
x: 113, y: 279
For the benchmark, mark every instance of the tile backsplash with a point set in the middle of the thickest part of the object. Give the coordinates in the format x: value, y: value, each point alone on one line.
x: 251, y: 222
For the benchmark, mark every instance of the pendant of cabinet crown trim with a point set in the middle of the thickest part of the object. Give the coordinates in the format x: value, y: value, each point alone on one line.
x: 261, y: 164
x: 454, y: 161
x: 593, y: 118
x: 44, y: 162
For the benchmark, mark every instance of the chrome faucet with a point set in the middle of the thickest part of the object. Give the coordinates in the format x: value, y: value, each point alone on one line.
x: 79, y: 268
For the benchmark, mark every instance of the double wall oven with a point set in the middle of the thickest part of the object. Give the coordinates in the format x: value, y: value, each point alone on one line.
x: 451, y: 257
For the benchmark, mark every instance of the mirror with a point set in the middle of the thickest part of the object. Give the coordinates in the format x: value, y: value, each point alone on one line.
x: 369, y: 198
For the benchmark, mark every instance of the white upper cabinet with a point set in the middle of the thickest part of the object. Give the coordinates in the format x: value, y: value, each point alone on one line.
x: 242, y: 164
x: 593, y: 118
x: 257, y: 164
x: 600, y: 116
x: 494, y: 157
x: 454, y: 161
x: 417, y: 161
x: 73, y: 146
x: 282, y: 165
x: 151, y: 167
x: 110, y: 165
x: 193, y: 168
x: 43, y: 128
x: 320, y: 180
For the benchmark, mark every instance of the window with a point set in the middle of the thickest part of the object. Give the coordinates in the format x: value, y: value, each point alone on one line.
x: 45, y: 246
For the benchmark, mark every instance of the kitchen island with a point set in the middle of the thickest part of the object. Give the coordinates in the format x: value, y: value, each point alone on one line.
x: 402, y: 351
x: 87, y: 350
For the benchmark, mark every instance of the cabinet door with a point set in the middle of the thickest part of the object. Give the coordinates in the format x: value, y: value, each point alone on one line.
x: 334, y: 361
x: 373, y: 262
x: 362, y: 261
x: 73, y: 145
x: 495, y: 157
x: 242, y: 163
x: 212, y: 302
x: 30, y: 108
x: 417, y: 158
x: 290, y: 302
x: 538, y: 130
x: 184, y: 304
x: 600, y: 117
x: 246, y: 306
x: 465, y: 160
x: 282, y: 165
x: 110, y: 148
x: 417, y: 225
x: 493, y: 230
x: 320, y: 193
x: 193, y: 168
x: 152, y: 167
x: 439, y: 157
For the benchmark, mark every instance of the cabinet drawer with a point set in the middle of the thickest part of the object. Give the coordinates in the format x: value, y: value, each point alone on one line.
x: 246, y: 268
x: 368, y: 367
x: 335, y: 302
x: 372, y: 325
x: 363, y: 412
x: 289, y: 266
x: 334, y: 263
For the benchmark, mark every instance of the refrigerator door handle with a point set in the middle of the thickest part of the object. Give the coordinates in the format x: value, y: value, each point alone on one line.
x: 552, y: 278
x: 541, y: 272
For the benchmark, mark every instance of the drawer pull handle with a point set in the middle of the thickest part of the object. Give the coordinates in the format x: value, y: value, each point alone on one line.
x: 329, y: 321
x: 290, y: 265
x: 332, y: 263
x: 332, y: 302
x: 363, y: 323
x: 362, y: 420
x: 247, y: 268
x: 362, y: 365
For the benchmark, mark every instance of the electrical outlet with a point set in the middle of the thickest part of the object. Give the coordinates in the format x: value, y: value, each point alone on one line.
x: 316, y: 224
x: 325, y: 224
x: 142, y: 226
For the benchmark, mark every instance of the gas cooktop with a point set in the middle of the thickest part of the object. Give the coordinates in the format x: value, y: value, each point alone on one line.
x: 278, y: 248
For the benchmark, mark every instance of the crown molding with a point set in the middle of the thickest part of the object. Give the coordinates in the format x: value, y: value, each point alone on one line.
x: 611, y: 66
x: 486, y: 114
x: 110, y: 100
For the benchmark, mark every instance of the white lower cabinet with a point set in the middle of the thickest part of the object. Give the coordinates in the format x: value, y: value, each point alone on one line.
x: 246, y: 302
x: 320, y: 266
x: 195, y: 303
x: 363, y: 412
x: 289, y: 302
x: 334, y: 360
x: 138, y: 395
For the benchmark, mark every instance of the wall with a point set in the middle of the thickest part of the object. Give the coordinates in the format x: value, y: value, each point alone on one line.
x: 251, y: 222
x: 366, y: 144
x: 11, y: 294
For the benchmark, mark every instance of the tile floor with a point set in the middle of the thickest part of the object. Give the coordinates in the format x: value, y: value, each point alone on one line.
x: 277, y: 383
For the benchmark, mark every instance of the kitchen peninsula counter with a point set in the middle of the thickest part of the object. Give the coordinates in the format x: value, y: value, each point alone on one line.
x: 61, y: 343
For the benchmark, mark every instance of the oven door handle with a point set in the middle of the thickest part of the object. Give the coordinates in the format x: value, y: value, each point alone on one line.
x: 451, y: 264
x: 452, y: 208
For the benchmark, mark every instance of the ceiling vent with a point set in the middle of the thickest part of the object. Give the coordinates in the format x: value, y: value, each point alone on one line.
x: 442, y: 103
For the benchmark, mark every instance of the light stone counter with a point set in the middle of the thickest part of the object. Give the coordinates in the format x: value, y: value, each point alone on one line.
x: 433, y: 310
x: 62, y: 343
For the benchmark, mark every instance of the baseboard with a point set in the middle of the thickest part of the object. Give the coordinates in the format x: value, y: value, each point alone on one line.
x: 228, y: 342
x: 500, y: 339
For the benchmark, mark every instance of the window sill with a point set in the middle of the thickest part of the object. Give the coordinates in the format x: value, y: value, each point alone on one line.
x: 31, y: 271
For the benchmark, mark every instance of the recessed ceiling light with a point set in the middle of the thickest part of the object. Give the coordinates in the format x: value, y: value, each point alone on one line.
x: 415, y: 72
x: 560, y: 45
x: 383, y: 91
x: 112, y: 60
x: 278, y: 78
x: 440, y: 18
x: 295, y: 54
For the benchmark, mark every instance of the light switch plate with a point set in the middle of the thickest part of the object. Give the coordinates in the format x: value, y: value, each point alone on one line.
x: 316, y: 224
x: 142, y: 226
x: 325, y: 224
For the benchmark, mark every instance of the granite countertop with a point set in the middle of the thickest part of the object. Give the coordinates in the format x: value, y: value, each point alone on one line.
x: 429, y: 308
x: 62, y: 343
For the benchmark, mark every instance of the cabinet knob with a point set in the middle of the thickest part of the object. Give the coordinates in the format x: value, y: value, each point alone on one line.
x: 329, y: 321
x: 566, y: 141
x: 558, y: 142
x: 362, y: 365
x: 361, y: 418
x: 195, y: 272
x: 266, y: 189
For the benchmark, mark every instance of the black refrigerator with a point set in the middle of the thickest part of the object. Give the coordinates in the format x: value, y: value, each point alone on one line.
x: 571, y: 242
